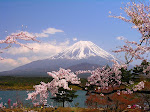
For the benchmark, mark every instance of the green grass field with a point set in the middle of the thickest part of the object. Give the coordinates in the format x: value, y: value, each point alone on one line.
x: 21, y: 83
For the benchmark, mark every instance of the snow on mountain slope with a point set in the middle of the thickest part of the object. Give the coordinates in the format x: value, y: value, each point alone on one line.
x: 83, y: 50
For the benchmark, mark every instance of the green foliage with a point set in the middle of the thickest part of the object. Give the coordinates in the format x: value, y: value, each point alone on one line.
x: 21, y: 83
x: 64, y: 95
x: 134, y: 74
x: 83, y: 82
x: 126, y: 75
x: 138, y: 70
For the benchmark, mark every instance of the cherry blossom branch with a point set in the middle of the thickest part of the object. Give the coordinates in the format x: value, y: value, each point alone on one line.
x: 138, y: 14
x: 110, y: 92
x: 124, y: 90
x: 136, y: 50
x: 14, y: 37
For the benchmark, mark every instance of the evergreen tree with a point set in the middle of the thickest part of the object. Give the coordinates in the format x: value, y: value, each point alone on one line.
x: 64, y: 95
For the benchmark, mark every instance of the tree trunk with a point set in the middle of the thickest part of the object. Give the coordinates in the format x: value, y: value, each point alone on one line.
x: 63, y: 103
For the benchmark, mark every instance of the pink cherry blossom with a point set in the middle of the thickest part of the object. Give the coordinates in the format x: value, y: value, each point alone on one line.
x: 139, y: 86
x: 105, y: 77
x: 1, y: 105
x: 118, y: 92
x: 15, y: 104
x: 101, y: 94
x: 138, y: 15
x: 61, y: 78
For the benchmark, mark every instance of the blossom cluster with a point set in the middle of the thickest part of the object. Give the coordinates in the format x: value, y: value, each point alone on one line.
x: 139, y: 86
x: 147, y: 69
x: 138, y: 15
x: 41, y: 90
x: 133, y: 49
x: 106, y: 76
x: 61, y: 78
x: 132, y: 87
x: 14, y: 37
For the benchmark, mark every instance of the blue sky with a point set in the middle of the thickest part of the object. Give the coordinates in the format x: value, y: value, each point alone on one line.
x: 72, y: 20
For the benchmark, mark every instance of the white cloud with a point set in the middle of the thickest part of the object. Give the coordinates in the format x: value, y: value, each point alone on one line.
x: 120, y: 38
x: 18, y: 50
x: 41, y: 35
x: 45, y: 33
x: 75, y: 39
x: 8, y: 64
x: 52, y: 31
x: 9, y: 61
x: 23, y: 60
x: 66, y: 43
x: 49, y: 48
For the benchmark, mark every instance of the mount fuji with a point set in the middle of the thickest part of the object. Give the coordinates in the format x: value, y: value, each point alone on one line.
x: 83, y: 55
x: 83, y: 50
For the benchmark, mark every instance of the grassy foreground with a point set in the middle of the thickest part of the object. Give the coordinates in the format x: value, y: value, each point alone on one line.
x: 66, y: 109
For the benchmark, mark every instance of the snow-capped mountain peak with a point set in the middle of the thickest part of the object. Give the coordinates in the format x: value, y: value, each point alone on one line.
x: 83, y: 50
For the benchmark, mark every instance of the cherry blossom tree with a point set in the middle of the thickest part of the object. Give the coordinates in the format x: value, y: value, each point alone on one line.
x: 138, y: 14
x: 61, y: 79
x: 105, y: 77
x: 102, y: 79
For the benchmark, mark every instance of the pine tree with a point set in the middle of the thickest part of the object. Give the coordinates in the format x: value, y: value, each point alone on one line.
x: 64, y: 95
